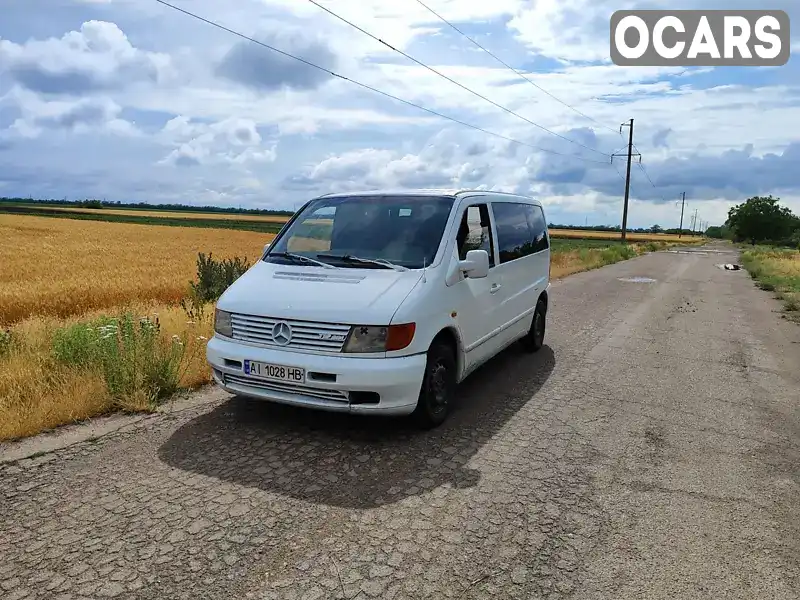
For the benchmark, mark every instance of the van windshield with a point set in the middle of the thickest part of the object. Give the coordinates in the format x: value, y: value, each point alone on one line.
x: 377, y: 232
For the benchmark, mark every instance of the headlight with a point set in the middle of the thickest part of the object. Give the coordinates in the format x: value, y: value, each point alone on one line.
x: 222, y: 323
x: 374, y: 338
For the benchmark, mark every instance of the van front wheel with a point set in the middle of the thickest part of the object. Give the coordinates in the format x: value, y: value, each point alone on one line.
x: 534, y: 340
x: 438, y: 386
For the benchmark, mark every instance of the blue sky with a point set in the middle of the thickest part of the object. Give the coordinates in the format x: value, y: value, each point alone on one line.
x: 129, y: 100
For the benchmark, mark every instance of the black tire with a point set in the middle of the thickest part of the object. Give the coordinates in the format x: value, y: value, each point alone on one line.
x: 534, y: 340
x: 438, y: 386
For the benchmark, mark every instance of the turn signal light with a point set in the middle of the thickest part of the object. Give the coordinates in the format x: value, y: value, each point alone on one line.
x: 400, y: 336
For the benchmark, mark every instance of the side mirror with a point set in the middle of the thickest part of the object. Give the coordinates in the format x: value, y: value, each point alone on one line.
x: 476, y: 265
x: 266, y: 246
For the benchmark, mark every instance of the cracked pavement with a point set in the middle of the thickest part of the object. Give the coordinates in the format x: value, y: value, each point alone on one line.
x: 650, y: 450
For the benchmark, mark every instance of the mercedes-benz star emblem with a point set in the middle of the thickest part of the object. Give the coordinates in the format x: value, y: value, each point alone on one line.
x: 281, y: 333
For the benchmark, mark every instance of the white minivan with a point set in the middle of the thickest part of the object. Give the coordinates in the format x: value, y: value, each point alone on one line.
x: 382, y: 302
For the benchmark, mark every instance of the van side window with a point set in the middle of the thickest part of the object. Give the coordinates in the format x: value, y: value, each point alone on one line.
x: 475, y: 232
x: 538, y: 227
x: 521, y: 230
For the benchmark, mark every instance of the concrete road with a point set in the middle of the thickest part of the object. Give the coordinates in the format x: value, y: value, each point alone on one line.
x: 651, y: 450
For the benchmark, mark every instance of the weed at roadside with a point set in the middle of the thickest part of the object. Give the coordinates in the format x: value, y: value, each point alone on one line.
x: 137, y: 363
x: 777, y: 271
x: 45, y: 383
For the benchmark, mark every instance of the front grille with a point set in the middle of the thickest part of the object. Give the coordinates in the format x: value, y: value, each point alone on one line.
x: 306, y: 335
x: 286, y: 387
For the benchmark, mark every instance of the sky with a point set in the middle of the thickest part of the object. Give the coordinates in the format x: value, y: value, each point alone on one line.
x: 130, y: 100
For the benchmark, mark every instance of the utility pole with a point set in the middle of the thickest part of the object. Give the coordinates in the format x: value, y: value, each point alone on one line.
x: 694, y: 220
x: 683, y: 204
x: 627, y: 177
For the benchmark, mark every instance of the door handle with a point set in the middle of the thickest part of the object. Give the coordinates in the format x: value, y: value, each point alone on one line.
x: 495, y: 288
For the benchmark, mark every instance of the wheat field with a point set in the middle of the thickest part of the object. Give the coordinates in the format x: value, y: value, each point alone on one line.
x: 64, y: 267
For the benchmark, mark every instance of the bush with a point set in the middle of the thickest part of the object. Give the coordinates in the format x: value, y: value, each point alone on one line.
x: 215, y: 276
x: 90, y: 204
x: 134, y: 359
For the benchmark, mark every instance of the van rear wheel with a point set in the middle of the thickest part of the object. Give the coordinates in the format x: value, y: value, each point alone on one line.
x: 438, y: 386
x: 534, y: 339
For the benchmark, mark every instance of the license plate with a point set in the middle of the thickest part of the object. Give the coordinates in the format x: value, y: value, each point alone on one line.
x: 274, y: 372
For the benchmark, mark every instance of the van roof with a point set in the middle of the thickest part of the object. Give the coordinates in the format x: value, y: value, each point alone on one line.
x: 427, y: 192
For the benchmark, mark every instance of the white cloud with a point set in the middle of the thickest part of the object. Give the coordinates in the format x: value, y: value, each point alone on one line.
x: 234, y: 141
x: 98, y: 57
x: 564, y: 30
x: 82, y: 116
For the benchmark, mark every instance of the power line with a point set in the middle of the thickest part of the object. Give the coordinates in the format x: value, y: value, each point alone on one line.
x: 655, y: 187
x: 505, y: 64
x: 641, y: 166
x: 646, y: 174
x: 450, y: 79
x: 621, y: 176
x: 373, y: 89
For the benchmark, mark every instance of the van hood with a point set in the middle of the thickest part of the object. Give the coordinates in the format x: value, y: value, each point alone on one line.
x: 310, y: 293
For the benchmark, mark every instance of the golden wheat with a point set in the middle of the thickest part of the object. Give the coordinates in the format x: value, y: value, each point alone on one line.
x: 63, y: 267
x: 615, y: 235
x: 784, y: 264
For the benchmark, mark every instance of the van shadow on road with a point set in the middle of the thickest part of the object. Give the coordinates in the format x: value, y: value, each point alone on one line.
x: 356, y: 462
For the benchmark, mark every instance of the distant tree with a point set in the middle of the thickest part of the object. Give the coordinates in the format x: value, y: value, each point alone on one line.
x: 656, y: 229
x: 717, y: 232
x: 761, y: 218
x: 90, y: 204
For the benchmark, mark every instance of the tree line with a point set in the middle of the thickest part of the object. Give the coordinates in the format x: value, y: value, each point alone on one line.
x: 760, y: 220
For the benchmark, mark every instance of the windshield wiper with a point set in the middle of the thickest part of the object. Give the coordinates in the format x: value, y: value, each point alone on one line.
x: 300, y: 257
x: 366, y: 261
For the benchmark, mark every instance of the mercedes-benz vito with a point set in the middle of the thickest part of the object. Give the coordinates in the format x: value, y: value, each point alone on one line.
x: 382, y: 302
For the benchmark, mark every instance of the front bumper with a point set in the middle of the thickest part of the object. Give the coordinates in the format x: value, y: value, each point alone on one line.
x: 333, y: 383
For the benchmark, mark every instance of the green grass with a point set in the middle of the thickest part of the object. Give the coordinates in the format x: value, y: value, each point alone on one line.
x: 778, y: 271
x: 567, y: 244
